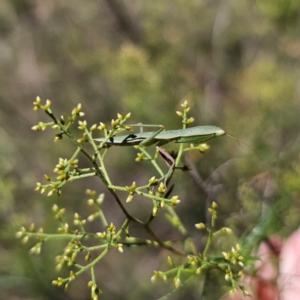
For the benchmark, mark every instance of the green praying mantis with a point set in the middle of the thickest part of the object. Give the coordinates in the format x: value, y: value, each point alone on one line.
x: 197, y: 134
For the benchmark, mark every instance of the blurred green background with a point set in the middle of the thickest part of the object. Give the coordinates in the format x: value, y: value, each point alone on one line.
x: 236, y: 62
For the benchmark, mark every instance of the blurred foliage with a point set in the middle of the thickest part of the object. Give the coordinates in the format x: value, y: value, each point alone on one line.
x: 235, y: 61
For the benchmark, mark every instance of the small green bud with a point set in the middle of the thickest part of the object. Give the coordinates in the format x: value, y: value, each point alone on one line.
x: 32, y: 227
x: 93, y: 127
x: 192, y: 259
x: 47, y: 105
x: 131, y: 189
x: 19, y: 234
x: 129, y: 198
x: 100, y: 198
x: 61, y: 177
x: 175, y: 200
x: 25, y: 239
x: 203, y: 147
x: 35, y: 127
x: 54, y: 282
x: 73, y: 257
x: 62, y: 120
x: 227, y: 277
x: 139, y: 157
x: 51, y: 192
x: 184, y: 104
x: 190, y: 120
x: 77, y: 109
x: 101, y: 126
x: 47, y: 177
x: 162, y: 188
x: 226, y: 230
x: 240, y: 274
x: 111, y: 228
x: 119, y: 246
x: 74, y: 162
x: 245, y: 292
x: 226, y: 255
x: 37, y: 101
x: 82, y: 125
x: 101, y: 235
x: 155, y: 276
x: 200, y: 226
x: 154, y: 211
x: 177, y: 282
x: 90, y: 192
x: 163, y: 276
x: 87, y: 257
x: 115, y: 123
x: 38, y: 186
x: 170, y: 261
x: 91, y: 218
x: 153, y: 180
x: 90, y: 202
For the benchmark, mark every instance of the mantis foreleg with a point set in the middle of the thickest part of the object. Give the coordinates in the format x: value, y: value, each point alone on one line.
x: 149, y: 140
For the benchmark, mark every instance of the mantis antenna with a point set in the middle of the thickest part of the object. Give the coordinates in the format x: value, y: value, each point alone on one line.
x: 241, y: 142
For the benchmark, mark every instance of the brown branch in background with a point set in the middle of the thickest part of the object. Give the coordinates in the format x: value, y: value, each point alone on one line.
x: 202, y: 187
x: 124, y: 21
x: 209, y: 188
x: 197, y: 177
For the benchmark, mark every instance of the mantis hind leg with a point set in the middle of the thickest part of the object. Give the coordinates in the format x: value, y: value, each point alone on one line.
x: 151, y: 139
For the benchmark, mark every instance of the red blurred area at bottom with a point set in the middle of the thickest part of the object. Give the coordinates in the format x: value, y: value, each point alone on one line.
x: 278, y: 271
